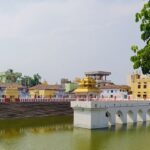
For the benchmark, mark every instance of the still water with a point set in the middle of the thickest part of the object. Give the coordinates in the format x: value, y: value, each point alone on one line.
x: 59, y: 134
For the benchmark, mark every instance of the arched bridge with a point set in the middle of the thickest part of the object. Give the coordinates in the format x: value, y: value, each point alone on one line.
x: 101, y: 114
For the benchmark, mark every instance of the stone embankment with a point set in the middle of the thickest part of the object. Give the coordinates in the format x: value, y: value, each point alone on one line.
x: 38, y: 109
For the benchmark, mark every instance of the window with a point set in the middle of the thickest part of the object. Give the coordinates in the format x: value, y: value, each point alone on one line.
x: 138, y: 76
x: 139, y: 95
x: 111, y: 91
x: 111, y: 96
x: 139, y: 86
x: 125, y: 96
x: 144, y: 96
x: 145, y: 85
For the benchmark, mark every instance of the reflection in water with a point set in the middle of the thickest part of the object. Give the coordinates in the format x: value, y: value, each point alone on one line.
x: 36, y: 138
x: 119, y: 137
x: 10, y: 133
x: 14, y: 133
x: 81, y: 139
x: 63, y: 136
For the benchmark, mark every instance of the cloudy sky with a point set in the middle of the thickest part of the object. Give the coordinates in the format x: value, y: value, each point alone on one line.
x: 65, y: 38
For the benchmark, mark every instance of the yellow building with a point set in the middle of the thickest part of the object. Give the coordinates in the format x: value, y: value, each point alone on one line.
x: 140, y: 86
x: 11, y: 91
x: 43, y: 91
x: 87, y: 88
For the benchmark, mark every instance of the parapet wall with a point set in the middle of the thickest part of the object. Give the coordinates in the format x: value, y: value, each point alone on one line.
x: 108, y: 104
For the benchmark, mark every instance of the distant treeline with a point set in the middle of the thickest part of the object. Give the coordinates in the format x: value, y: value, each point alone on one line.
x: 16, y: 77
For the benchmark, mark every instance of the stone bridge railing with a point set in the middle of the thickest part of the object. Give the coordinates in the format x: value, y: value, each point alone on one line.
x: 29, y: 100
x: 108, y: 100
x: 101, y: 114
x: 46, y: 100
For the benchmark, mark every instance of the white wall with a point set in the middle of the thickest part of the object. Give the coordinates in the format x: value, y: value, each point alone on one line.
x: 107, y: 93
x: 92, y: 114
x: 82, y: 118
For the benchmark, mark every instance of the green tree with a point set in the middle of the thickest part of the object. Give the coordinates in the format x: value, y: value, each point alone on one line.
x: 31, y: 81
x: 12, y: 77
x: 15, y: 77
x: 37, y: 79
x: 141, y: 59
x: 26, y: 81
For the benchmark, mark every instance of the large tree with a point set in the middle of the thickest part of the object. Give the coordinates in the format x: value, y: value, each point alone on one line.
x: 12, y: 77
x: 141, y: 59
x: 36, y: 79
x: 26, y: 81
x: 16, y: 77
x: 31, y: 81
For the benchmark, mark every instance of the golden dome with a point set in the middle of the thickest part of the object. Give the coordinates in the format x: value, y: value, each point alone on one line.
x: 88, y: 81
x: 87, y: 85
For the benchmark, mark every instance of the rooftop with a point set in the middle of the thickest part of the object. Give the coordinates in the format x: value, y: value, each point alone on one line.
x: 11, y: 85
x: 114, y: 86
x: 98, y: 73
x: 46, y: 87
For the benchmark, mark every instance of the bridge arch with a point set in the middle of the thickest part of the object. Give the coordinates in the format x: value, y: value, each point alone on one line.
x: 109, y: 118
x: 148, y: 115
x: 119, y: 117
x: 140, y: 115
x: 130, y: 116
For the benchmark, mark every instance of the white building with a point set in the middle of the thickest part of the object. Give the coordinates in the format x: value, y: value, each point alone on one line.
x: 113, y: 92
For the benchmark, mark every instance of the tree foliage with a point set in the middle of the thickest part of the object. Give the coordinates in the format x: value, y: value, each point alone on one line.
x: 31, y: 81
x: 12, y: 77
x: 16, y: 77
x: 141, y: 59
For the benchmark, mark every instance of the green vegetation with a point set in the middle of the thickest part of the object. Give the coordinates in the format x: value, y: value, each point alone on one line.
x: 31, y: 81
x: 15, y: 77
x: 11, y: 77
x: 141, y: 59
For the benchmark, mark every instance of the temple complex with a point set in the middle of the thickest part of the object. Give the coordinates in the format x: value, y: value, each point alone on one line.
x: 87, y: 88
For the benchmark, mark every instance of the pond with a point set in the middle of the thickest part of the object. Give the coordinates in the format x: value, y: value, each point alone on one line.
x: 57, y: 133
